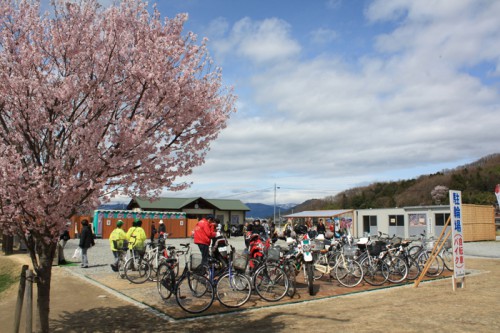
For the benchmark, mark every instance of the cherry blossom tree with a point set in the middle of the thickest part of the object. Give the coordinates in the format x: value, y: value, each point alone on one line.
x: 439, y: 193
x: 93, y: 101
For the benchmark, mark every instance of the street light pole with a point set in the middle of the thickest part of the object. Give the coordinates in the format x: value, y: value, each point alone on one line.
x: 274, y: 215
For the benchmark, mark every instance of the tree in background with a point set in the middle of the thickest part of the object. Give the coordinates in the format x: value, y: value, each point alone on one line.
x: 95, y: 101
x: 439, y: 193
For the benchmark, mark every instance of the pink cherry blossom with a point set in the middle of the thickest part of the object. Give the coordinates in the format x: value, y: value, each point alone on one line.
x: 94, y: 101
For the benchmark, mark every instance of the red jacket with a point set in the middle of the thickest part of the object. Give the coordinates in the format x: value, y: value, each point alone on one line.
x: 203, y: 232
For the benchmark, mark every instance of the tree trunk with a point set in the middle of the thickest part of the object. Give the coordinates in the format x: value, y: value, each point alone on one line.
x: 44, y: 275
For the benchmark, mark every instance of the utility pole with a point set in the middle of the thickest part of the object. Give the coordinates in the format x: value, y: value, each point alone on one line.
x: 274, y: 215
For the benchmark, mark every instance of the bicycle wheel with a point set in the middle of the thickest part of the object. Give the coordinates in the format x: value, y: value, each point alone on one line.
x: 153, y: 264
x: 375, y: 272
x: 121, y: 266
x: 290, y: 272
x: 415, y: 250
x: 413, y: 268
x: 398, y: 270
x: 233, y: 289
x: 137, y: 270
x: 310, y: 277
x: 165, y: 281
x: 270, y: 282
x: 349, y: 273
x: 447, y: 257
x: 194, y: 293
x: 435, y: 268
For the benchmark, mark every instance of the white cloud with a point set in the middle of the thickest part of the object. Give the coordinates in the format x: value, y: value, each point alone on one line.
x: 322, y: 124
x: 266, y: 41
x: 444, y: 33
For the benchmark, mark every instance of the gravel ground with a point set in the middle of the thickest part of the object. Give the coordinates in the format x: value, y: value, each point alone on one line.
x: 100, y: 256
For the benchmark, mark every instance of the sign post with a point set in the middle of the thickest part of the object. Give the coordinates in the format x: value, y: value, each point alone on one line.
x: 457, y: 239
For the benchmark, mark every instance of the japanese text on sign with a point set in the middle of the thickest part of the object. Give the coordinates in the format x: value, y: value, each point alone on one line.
x: 457, y: 236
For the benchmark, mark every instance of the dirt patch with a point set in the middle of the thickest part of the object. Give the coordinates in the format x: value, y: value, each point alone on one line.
x: 79, y: 305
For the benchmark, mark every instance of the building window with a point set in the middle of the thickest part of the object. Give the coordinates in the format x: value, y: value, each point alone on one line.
x: 396, y: 220
x: 441, y: 218
x: 417, y: 220
x: 370, y: 220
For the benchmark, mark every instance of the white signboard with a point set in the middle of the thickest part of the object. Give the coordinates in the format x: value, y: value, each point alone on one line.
x: 456, y: 233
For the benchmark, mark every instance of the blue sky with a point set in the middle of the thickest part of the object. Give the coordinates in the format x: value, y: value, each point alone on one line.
x: 335, y: 94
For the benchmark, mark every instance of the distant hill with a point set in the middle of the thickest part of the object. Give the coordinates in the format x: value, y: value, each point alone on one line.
x: 263, y: 211
x: 476, y: 180
x: 114, y: 206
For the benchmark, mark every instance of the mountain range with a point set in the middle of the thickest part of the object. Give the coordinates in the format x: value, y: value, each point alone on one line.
x: 263, y: 211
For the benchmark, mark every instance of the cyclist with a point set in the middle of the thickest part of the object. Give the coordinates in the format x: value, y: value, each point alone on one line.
x: 116, y: 240
x: 136, y: 237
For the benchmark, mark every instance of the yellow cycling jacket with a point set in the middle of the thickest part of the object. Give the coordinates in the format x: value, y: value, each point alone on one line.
x: 116, y: 239
x: 136, y: 237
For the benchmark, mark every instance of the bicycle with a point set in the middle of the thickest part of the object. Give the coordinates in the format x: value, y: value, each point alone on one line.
x: 447, y: 255
x: 136, y: 268
x: 421, y: 254
x: 341, y: 259
x: 287, y: 262
x: 232, y: 288
x: 155, y: 255
x: 268, y: 279
x: 348, y: 271
x: 193, y: 293
x: 398, y: 269
x: 404, y: 253
x: 375, y: 270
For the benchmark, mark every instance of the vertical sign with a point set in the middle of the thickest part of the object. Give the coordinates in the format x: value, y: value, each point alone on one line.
x: 457, y: 236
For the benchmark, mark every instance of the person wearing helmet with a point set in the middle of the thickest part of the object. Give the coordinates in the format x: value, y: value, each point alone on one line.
x: 136, y: 237
x: 301, y: 229
x: 258, y: 228
x: 116, y: 241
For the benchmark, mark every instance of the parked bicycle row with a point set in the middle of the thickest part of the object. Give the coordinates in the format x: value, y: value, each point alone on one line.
x: 271, y: 271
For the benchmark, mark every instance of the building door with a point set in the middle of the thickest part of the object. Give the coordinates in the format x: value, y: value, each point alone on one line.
x: 370, y: 225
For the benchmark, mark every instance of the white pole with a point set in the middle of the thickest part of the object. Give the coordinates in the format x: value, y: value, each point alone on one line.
x: 274, y: 214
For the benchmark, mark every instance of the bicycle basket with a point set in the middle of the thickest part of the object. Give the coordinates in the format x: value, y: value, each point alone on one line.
x: 350, y: 250
x: 447, y: 244
x: 240, y: 261
x: 195, y: 261
x: 273, y: 254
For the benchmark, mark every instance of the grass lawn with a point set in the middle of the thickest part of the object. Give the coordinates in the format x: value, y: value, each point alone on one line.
x: 9, y: 275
